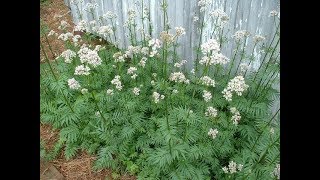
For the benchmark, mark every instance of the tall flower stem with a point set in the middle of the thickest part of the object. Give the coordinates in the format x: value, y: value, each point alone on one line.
x: 242, y: 55
x: 264, y: 70
x: 263, y: 129
x: 251, y: 58
x: 234, y: 57
x: 199, y: 46
x: 55, y: 77
x: 96, y: 103
x: 264, y: 57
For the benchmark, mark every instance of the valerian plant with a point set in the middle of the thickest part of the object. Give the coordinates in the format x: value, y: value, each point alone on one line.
x: 141, y: 111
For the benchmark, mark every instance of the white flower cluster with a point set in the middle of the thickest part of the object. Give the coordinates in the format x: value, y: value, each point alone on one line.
x: 81, y: 26
x: 109, y: 15
x: 213, y: 133
x: 276, y: 171
x: 84, y: 90
x: 203, y: 4
x: 239, y: 35
x: 206, y: 95
x: 131, y: 71
x: 207, y: 81
x: 210, y: 45
x: 136, y: 91
x: 232, y: 168
x: 181, y: 63
x: 175, y: 91
x: 131, y: 16
x: 273, y: 13
x: 214, y: 59
x: 142, y: 62
x: 157, y: 97
x: 105, y: 31
x: 178, y: 77
x: 145, y: 51
x: 258, y: 38
x: 195, y: 18
x: 221, y: 17
x: 132, y: 50
x: 116, y: 81
x: 180, y: 31
x: 271, y: 131
x: 89, y: 56
x: 82, y: 70
x: 244, y: 67
x: 73, y: 84
x: 236, y: 85
x: 118, y: 57
x: 52, y: 32
x: 63, y: 25
x: 212, y: 112
x: 76, y: 38
x: 110, y: 91
x: 65, y: 36
x: 235, y: 118
x: 68, y: 55
x: 154, y: 44
x: 91, y: 6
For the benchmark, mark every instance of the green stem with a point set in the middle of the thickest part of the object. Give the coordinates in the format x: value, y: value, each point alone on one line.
x: 95, y: 102
x: 199, y: 46
x: 242, y: 55
x: 263, y: 129
x: 56, y: 79
x: 233, y: 58
x: 266, y: 52
x: 251, y: 58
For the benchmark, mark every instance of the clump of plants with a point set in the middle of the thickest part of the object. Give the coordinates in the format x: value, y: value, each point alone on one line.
x: 141, y: 111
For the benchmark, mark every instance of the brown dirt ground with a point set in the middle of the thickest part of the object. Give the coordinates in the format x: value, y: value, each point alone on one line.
x: 79, y: 167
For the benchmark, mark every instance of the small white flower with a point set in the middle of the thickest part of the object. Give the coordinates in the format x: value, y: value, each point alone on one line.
x: 98, y: 114
x: 235, y: 118
x: 206, y: 95
x: 276, y: 171
x: 239, y: 35
x: 84, y: 91
x: 134, y: 76
x: 116, y: 81
x: 180, y: 31
x: 157, y: 97
x: 225, y: 169
x: 271, y: 130
x: 207, y: 81
x: 195, y: 19
x: 65, y: 36
x: 175, y: 91
x: 236, y: 85
x: 232, y: 167
x: 213, y: 133
x: 240, y: 166
x: 258, y: 38
x: 73, y: 84
x: 110, y: 91
x: 131, y: 70
x: 51, y: 33
x: 152, y: 83
x: 178, y: 77
x: 273, y: 13
x: 136, y: 91
x: 154, y: 75
x: 212, y: 112
x: 68, y: 55
x: 82, y: 70
x: 193, y: 71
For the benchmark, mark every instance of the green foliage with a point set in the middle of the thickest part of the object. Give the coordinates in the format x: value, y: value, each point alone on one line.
x: 167, y: 139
